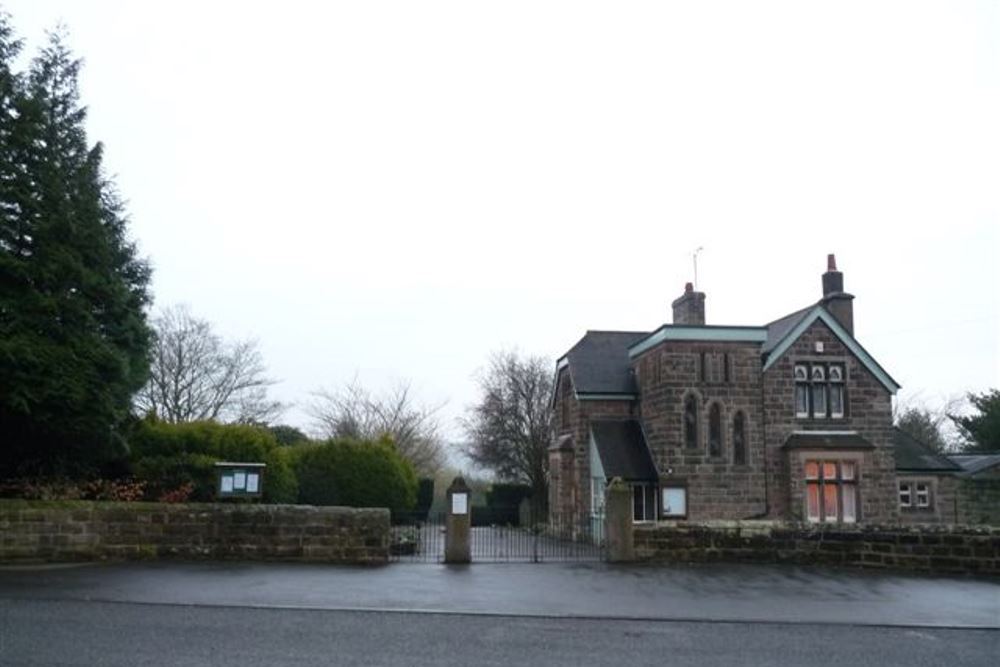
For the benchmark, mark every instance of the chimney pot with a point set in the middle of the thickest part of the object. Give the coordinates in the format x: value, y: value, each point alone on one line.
x: 688, y: 287
x: 831, y: 262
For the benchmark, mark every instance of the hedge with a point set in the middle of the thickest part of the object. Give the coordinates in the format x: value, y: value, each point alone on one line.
x: 166, y: 456
x: 355, y: 473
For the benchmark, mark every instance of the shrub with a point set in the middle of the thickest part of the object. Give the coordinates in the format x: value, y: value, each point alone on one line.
x: 425, y: 496
x: 169, y: 456
x: 355, y: 473
x: 121, y: 490
x: 507, y: 495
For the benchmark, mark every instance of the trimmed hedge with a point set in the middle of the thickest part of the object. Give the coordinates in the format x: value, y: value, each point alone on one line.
x: 167, y: 456
x: 355, y: 473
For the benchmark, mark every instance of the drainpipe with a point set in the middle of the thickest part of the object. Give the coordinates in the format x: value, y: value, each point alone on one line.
x: 763, y: 435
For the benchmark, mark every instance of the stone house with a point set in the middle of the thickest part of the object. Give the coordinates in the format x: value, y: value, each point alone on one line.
x: 788, y: 420
x: 946, y: 488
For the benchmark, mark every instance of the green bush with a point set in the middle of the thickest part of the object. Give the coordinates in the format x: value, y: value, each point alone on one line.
x: 507, y: 495
x: 425, y: 496
x: 355, y: 473
x: 167, y: 456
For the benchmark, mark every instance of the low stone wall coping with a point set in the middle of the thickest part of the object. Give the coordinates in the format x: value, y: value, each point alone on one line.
x: 923, y: 547
x: 88, y: 530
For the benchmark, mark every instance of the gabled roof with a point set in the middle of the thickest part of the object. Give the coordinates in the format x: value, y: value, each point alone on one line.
x: 974, y: 463
x: 778, y: 329
x: 788, y: 329
x: 913, y: 455
x: 599, y: 364
x: 623, y: 450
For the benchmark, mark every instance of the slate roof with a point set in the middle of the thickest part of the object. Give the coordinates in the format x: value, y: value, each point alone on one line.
x: 623, y: 450
x: 974, y: 463
x: 599, y: 362
x: 911, y: 455
x: 778, y: 329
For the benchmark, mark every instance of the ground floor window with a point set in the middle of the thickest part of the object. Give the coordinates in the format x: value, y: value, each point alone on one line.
x: 831, y: 491
x: 915, y: 494
x: 597, y: 496
x: 643, y: 502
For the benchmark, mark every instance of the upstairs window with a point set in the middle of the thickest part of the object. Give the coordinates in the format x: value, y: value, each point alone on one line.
x: 715, y: 430
x: 739, y: 439
x: 819, y: 391
x: 691, y: 422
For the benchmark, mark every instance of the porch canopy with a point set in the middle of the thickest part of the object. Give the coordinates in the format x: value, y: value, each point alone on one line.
x: 622, y: 448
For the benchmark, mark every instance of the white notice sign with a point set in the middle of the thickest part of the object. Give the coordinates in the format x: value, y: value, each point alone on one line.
x: 240, y: 480
x: 460, y: 503
x: 252, y: 482
x: 674, y: 501
x: 227, y: 484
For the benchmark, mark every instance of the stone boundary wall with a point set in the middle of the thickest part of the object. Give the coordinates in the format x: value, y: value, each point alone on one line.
x: 929, y: 548
x: 85, y: 531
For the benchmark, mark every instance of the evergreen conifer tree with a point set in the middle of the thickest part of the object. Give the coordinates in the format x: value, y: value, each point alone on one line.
x: 73, y: 333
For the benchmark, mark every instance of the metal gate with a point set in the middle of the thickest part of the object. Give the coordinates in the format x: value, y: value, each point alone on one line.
x: 523, y: 538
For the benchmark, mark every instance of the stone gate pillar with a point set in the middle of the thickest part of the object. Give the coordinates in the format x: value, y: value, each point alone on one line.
x: 458, y: 523
x: 618, y: 522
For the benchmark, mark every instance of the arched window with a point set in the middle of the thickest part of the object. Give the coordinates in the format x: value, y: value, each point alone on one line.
x: 715, y: 430
x: 739, y: 439
x: 691, y: 422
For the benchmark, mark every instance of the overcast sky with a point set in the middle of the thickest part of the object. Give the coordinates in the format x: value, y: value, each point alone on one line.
x: 395, y: 190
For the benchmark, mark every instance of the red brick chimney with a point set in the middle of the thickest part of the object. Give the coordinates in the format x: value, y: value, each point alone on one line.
x: 689, y: 308
x: 835, y: 299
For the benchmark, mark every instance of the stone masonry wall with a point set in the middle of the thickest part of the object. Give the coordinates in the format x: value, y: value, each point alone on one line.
x: 572, y: 474
x: 978, y: 500
x: 868, y: 411
x: 717, y: 487
x: 940, y: 549
x: 83, y: 531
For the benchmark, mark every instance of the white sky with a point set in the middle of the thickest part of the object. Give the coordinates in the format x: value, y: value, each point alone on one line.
x: 395, y: 190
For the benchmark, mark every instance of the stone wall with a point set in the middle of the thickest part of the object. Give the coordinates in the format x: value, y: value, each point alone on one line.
x: 82, y: 531
x: 978, y: 500
x: 939, y: 549
x: 715, y: 373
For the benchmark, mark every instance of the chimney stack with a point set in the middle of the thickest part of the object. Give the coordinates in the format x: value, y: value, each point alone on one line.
x: 835, y: 299
x: 689, y: 308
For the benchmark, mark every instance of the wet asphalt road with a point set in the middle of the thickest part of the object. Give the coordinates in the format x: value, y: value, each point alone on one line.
x: 173, y: 613
x: 98, y: 633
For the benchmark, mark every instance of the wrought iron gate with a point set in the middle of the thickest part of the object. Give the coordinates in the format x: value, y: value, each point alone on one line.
x: 524, y: 538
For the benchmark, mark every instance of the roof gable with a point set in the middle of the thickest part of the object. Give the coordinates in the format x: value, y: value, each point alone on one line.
x: 792, y: 334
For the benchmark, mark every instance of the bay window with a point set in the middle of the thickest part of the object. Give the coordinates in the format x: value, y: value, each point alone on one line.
x: 831, y: 491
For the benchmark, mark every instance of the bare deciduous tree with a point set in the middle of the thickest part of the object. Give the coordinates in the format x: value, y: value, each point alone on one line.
x: 194, y: 374
x: 508, y: 430
x: 355, y: 412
